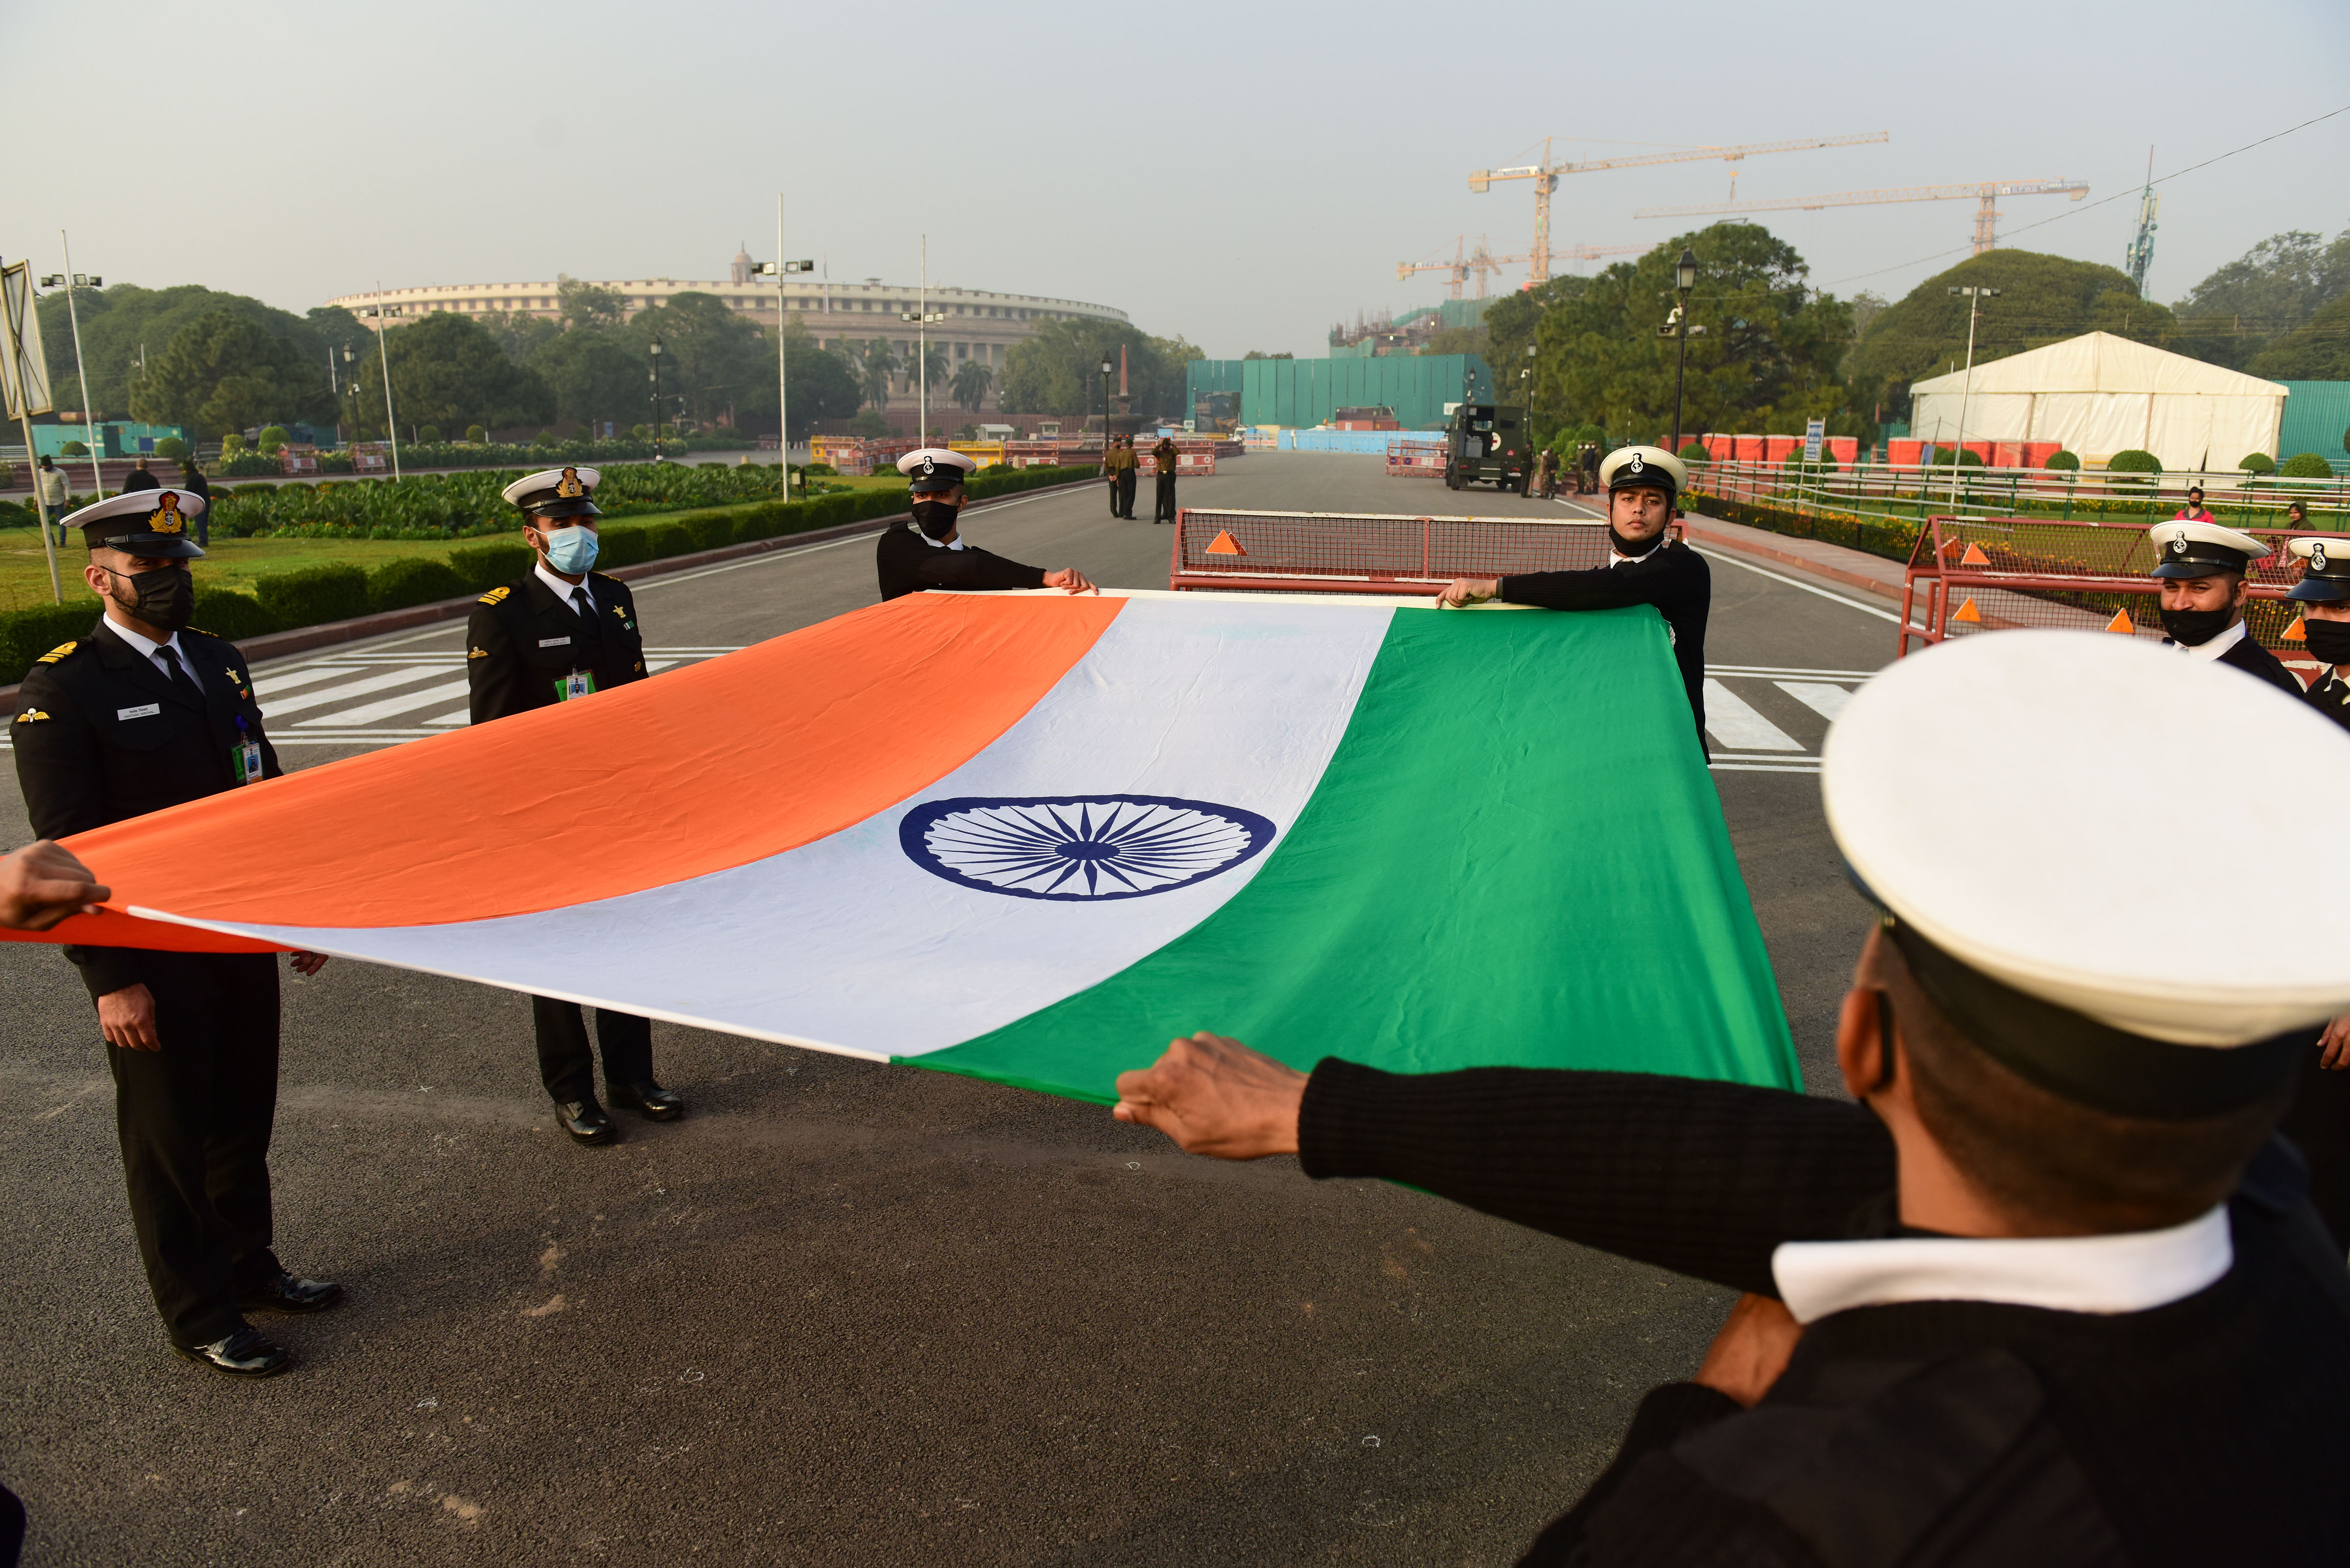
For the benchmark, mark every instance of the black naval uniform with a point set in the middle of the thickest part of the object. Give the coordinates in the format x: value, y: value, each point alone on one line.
x: 102, y: 734
x: 1673, y: 576
x: 523, y: 645
x: 2258, y: 662
x: 1922, y: 1433
x: 2320, y: 1118
x: 909, y: 562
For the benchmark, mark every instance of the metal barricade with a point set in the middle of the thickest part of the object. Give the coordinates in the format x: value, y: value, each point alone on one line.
x: 1369, y: 553
x: 1416, y: 459
x: 1972, y: 575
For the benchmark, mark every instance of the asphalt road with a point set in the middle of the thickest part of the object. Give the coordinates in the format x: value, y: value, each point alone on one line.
x: 845, y: 1314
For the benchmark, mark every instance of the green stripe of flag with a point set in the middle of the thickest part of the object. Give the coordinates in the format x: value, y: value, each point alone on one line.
x: 1516, y: 857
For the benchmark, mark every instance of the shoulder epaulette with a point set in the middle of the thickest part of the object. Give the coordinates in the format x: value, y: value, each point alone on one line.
x: 199, y: 632
x: 59, y: 651
x: 494, y: 596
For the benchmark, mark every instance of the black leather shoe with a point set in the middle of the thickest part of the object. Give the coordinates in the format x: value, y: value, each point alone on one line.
x: 656, y: 1102
x: 287, y: 1294
x: 585, y: 1121
x: 247, y: 1353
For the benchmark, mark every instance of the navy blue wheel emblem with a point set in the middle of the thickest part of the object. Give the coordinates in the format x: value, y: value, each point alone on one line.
x: 1080, y: 847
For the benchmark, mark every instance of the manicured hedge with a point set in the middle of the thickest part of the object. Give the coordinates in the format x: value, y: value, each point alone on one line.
x: 26, y: 634
x: 313, y: 595
x: 398, y: 585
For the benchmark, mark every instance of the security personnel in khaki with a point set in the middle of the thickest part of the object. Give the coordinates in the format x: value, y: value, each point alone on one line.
x: 146, y: 713
x: 2202, y: 567
x: 559, y: 633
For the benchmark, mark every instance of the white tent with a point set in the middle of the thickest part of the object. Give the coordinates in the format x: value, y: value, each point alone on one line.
x: 2099, y: 394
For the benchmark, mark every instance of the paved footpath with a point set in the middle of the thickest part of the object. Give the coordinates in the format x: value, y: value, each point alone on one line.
x: 849, y: 1314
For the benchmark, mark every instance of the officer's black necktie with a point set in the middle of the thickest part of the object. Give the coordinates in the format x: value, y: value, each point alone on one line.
x: 177, y: 672
x: 591, y: 646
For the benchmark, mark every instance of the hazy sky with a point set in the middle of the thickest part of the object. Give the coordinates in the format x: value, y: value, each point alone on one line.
x: 1243, y: 175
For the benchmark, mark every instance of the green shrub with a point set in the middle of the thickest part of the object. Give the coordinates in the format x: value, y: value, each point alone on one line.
x: 26, y: 634
x: 2257, y: 462
x: 336, y: 462
x: 663, y: 540
x: 231, y: 445
x: 171, y: 447
x: 248, y: 465
x: 73, y: 449
x: 2062, y: 461
x: 225, y: 612
x: 2130, y: 460
x: 272, y: 437
x: 481, y: 568
x: 419, y: 580
x: 869, y: 423
x: 622, y: 547
x: 7, y: 475
x: 429, y: 435
x: 313, y: 595
x: 1694, y: 452
x: 476, y: 434
x: 816, y: 470
x: 2305, y: 465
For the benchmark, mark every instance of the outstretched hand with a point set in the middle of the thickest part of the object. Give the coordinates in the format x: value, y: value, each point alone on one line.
x: 1070, y: 579
x: 1216, y: 1096
x: 41, y: 884
x: 1463, y: 591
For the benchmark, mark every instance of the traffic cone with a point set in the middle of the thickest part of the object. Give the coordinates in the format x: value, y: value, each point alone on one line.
x: 2121, y: 623
x: 1223, y: 543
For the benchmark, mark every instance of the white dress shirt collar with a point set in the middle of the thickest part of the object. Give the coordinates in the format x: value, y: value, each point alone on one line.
x: 145, y: 647
x: 2217, y: 645
x: 939, y: 544
x: 562, y: 590
x: 2136, y: 1271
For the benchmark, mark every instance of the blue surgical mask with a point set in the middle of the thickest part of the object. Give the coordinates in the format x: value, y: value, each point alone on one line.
x: 570, y: 551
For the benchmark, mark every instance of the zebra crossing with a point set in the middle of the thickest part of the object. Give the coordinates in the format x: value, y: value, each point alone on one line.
x: 1768, y: 720
x: 383, y: 699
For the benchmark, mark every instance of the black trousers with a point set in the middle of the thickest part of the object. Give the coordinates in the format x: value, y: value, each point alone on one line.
x: 566, y: 1066
x: 1127, y: 478
x: 1115, y: 508
x: 1165, y: 510
x: 195, y: 1120
x: 2319, y: 1122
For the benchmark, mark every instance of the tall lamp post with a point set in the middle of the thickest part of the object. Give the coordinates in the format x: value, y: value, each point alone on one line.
x: 1106, y: 369
x: 73, y: 282
x: 656, y: 351
x: 922, y: 316
x: 383, y: 315
x: 783, y: 384
x: 1975, y: 297
x: 1684, y: 279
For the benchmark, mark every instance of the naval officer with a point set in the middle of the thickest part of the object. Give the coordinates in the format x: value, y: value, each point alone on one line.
x: 146, y: 713
x: 2202, y: 567
x: 561, y: 633
x: 2048, y: 1291
x: 930, y: 550
x: 1644, y: 567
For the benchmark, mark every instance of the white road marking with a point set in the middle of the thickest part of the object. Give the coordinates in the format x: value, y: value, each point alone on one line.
x: 407, y: 702
x: 1795, y: 583
x: 269, y: 686
x: 1739, y: 727
x: 389, y: 678
x: 1821, y: 698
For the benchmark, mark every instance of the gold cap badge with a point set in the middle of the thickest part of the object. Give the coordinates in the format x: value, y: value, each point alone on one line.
x: 166, y: 518
x: 569, y: 485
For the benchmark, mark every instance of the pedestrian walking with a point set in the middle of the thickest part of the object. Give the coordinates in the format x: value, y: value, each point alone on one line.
x: 1164, y: 457
x: 56, y: 494
x: 139, y: 479
x: 192, y: 478
x: 142, y: 714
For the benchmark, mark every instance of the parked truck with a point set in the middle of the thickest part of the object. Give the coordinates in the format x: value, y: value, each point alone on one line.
x: 1489, y: 443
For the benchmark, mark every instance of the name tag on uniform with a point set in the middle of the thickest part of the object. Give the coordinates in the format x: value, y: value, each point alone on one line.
x: 554, y: 642
x: 144, y: 710
x: 578, y: 683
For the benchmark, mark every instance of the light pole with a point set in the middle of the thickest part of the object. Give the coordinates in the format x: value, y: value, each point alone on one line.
x: 1975, y: 297
x: 1106, y: 368
x: 782, y: 385
x: 1684, y: 279
x: 383, y: 315
x: 923, y: 317
x: 73, y: 282
x: 657, y: 398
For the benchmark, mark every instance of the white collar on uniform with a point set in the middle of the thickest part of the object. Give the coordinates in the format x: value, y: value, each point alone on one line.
x: 2136, y: 1271
x: 146, y: 645
x: 938, y: 543
x: 563, y: 591
x: 1616, y: 558
x: 2216, y: 646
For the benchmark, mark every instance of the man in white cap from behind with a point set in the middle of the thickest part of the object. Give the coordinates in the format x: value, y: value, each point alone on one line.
x: 931, y: 552
x: 1644, y: 567
x: 2202, y: 567
x: 2052, y: 1291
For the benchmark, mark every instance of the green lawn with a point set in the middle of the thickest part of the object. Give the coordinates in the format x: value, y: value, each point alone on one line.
x: 229, y: 563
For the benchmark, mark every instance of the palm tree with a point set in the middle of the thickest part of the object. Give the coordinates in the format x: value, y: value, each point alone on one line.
x: 877, y: 362
x: 972, y: 380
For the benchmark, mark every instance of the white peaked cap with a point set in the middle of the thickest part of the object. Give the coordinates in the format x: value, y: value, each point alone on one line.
x: 2011, y: 798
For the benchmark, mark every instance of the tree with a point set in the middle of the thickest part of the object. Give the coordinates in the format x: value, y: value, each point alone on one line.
x: 973, y: 381
x: 2042, y: 299
x: 2305, y: 465
x: 2271, y: 289
x: 518, y: 334
x: 1511, y: 320
x: 1767, y: 361
x: 1260, y: 354
x: 594, y: 374
x: 122, y: 326
x: 1054, y: 370
x: 823, y: 387
x: 580, y: 304
x: 710, y: 356
x: 1456, y: 340
x: 876, y: 364
x: 2317, y: 350
x: 448, y: 370
x: 226, y: 371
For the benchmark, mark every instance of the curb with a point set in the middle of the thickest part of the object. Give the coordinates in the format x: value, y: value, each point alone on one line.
x: 307, y: 639
x: 1803, y: 563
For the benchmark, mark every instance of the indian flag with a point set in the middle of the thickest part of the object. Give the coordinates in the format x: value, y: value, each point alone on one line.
x: 1032, y: 837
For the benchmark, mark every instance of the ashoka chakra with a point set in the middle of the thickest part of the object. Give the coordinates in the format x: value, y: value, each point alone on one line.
x: 1080, y: 847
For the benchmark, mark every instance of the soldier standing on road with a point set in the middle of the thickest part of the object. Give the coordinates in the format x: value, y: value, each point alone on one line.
x: 2202, y: 568
x: 930, y: 553
x: 1163, y: 457
x: 1644, y: 567
x: 143, y: 714
x: 556, y: 634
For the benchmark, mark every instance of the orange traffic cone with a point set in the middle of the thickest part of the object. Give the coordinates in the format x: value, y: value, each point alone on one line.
x: 2121, y: 623
x: 1223, y: 543
x: 1967, y: 612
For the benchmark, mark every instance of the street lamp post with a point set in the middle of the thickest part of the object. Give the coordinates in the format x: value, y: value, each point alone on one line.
x: 922, y: 316
x: 383, y: 315
x: 74, y: 282
x: 778, y: 269
x: 1684, y: 279
x: 1106, y: 368
x: 1975, y: 297
x: 657, y: 398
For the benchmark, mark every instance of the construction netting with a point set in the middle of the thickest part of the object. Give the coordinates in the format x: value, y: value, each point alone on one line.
x: 1973, y: 575
x: 1334, y: 552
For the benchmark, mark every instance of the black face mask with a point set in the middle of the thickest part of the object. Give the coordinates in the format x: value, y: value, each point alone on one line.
x: 936, y: 518
x: 1633, y: 549
x: 2329, y: 640
x: 2194, y: 628
x: 166, y: 597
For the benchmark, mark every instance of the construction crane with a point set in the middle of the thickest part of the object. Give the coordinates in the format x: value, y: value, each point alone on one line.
x: 1545, y: 174
x: 1483, y: 263
x: 1986, y: 196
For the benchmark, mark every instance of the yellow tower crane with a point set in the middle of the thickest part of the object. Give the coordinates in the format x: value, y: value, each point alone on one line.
x: 1545, y: 174
x: 1484, y: 265
x: 1985, y: 196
